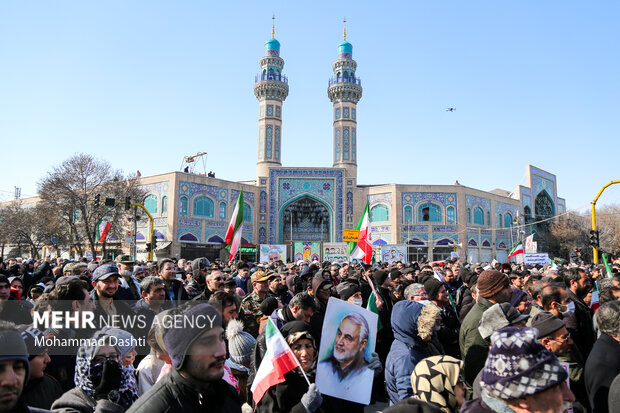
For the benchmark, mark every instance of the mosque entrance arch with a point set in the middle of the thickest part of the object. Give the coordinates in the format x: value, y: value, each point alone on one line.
x: 305, y: 219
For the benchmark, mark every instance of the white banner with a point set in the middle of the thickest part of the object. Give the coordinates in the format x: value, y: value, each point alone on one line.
x: 533, y: 259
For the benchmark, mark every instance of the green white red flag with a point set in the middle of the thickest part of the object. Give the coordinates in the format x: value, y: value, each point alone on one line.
x: 278, y: 360
x: 594, y: 302
x: 103, y: 227
x: 516, y: 250
x: 235, y: 228
x: 363, y: 250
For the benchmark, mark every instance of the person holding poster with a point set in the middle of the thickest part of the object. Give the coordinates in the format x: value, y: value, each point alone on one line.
x: 348, y: 364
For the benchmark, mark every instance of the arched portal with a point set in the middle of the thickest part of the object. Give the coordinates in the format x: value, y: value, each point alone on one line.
x: 305, y: 219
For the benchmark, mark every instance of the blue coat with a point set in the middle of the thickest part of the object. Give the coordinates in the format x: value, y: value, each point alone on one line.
x: 406, y: 351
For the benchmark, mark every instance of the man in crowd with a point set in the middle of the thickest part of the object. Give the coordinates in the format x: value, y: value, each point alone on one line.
x: 448, y: 333
x: 175, y: 291
x: 243, y: 276
x: 579, y: 324
x: 415, y: 292
x: 226, y: 304
x: 300, y: 308
x: 105, y: 281
x: 214, y: 283
x: 129, y: 286
x: 250, y: 306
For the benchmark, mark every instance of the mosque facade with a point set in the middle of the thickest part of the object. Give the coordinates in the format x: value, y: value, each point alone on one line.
x: 284, y: 205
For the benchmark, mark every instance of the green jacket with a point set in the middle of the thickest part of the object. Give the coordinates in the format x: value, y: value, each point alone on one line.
x: 474, y: 349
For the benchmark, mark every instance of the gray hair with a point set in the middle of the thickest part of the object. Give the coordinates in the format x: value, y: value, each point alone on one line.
x: 359, y: 320
x: 608, y: 318
x: 413, y: 290
x: 148, y: 282
x: 303, y: 300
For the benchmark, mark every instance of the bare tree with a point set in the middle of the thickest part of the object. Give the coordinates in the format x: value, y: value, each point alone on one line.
x: 70, y: 189
x: 19, y: 224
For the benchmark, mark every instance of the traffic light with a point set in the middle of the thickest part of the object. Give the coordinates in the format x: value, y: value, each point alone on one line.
x: 148, y: 247
x: 594, y: 241
x: 127, y: 203
x: 154, y: 242
x: 96, y: 201
x: 110, y: 202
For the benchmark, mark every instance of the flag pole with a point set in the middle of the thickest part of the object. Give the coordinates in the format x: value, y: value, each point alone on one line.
x: 269, y: 320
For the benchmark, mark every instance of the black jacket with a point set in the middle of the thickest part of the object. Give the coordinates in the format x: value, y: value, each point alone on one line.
x: 602, y: 366
x: 176, y: 394
x: 580, y: 325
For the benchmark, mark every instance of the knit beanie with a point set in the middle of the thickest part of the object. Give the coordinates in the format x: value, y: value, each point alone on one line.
x: 518, y: 366
x: 491, y: 282
x: 497, y: 317
x: 346, y: 290
x: 432, y: 287
x: 31, y: 336
x: 546, y: 324
x: 240, y: 343
x: 517, y: 296
x: 186, y: 327
x: 380, y: 276
x: 123, y: 340
x: 14, y: 348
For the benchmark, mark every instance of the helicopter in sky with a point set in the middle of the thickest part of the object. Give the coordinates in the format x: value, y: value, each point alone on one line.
x: 450, y: 109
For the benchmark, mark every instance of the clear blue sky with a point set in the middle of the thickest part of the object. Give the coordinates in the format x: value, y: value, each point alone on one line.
x: 143, y: 83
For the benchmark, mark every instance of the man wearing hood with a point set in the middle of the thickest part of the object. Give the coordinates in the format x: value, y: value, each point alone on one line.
x: 321, y: 291
x: 197, y: 278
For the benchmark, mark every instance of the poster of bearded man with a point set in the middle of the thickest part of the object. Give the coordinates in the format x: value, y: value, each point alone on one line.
x: 347, y: 345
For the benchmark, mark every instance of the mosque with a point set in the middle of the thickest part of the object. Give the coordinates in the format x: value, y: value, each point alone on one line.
x: 290, y: 206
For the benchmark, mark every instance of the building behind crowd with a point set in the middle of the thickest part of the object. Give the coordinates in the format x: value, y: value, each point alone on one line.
x: 286, y: 204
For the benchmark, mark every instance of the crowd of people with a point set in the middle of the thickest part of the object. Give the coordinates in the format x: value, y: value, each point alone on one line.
x: 190, y: 335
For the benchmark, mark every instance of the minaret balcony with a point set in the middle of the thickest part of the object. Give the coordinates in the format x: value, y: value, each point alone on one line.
x: 345, y: 80
x: 266, y: 77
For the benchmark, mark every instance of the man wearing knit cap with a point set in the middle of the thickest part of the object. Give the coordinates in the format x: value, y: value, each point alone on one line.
x: 14, y: 369
x: 448, y: 333
x: 197, y: 351
x: 493, y: 288
x: 520, y: 375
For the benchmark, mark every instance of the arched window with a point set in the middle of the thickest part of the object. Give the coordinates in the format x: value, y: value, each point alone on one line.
x: 379, y: 213
x: 247, y: 212
x: 543, y: 206
x: 508, y: 220
x: 488, y: 218
x: 500, y: 220
x: 468, y: 215
x: 478, y: 216
x: 450, y: 215
x: 203, y: 207
x: 222, y: 210
x: 429, y: 212
x: 337, y: 113
x: 353, y: 145
x: 183, y: 206
x: 408, y: 214
x: 150, y: 203
x: 164, y: 204
x: 527, y: 213
x: 268, y: 142
x: 276, y: 146
x: 337, y: 145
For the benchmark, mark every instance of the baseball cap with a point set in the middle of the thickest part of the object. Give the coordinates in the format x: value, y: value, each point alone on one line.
x: 104, y: 271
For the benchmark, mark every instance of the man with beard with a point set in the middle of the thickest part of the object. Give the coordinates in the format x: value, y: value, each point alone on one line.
x: 129, y: 288
x: 214, y: 283
x: 278, y: 290
x: 346, y: 369
x: 197, y: 277
x: 197, y: 352
x: 579, y: 324
x: 105, y: 281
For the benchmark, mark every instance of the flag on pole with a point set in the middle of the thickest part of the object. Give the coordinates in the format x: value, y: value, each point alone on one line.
x: 363, y: 250
x: 235, y: 228
x: 102, y: 230
x: 516, y: 250
x: 372, y: 306
x: 594, y: 302
x: 607, y: 269
x: 529, y: 244
x: 278, y: 360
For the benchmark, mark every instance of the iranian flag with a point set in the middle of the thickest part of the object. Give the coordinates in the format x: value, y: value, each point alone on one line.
x: 102, y: 230
x: 279, y: 360
x: 594, y: 302
x: 516, y: 250
x: 235, y: 228
x: 364, y: 240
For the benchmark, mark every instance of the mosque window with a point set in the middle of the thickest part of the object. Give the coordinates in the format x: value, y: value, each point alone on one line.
x: 508, y: 220
x: 278, y: 111
x: 150, y: 203
x: 268, y: 142
x: 379, y: 213
x: 345, y: 144
x: 164, y: 205
x: 222, y: 210
x: 488, y: 218
x: 345, y: 112
x: 353, y: 114
x: 276, y: 148
x: 203, y: 207
x: 543, y: 206
x: 269, y: 110
x: 429, y: 212
x: 500, y: 220
x: 527, y: 214
x: 408, y: 214
x: 353, y: 145
x: 183, y: 206
x: 468, y: 215
x: 247, y: 212
x: 450, y: 214
x: 337, y: 145
x: 478, y: 216
x: 337, y: 113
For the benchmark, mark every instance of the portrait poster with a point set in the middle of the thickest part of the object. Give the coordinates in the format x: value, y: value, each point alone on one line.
x: 393, y: 253
x: 347, y: 342
x: 307, y: 251
x: 272, y: 252
x: 335, y: 252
